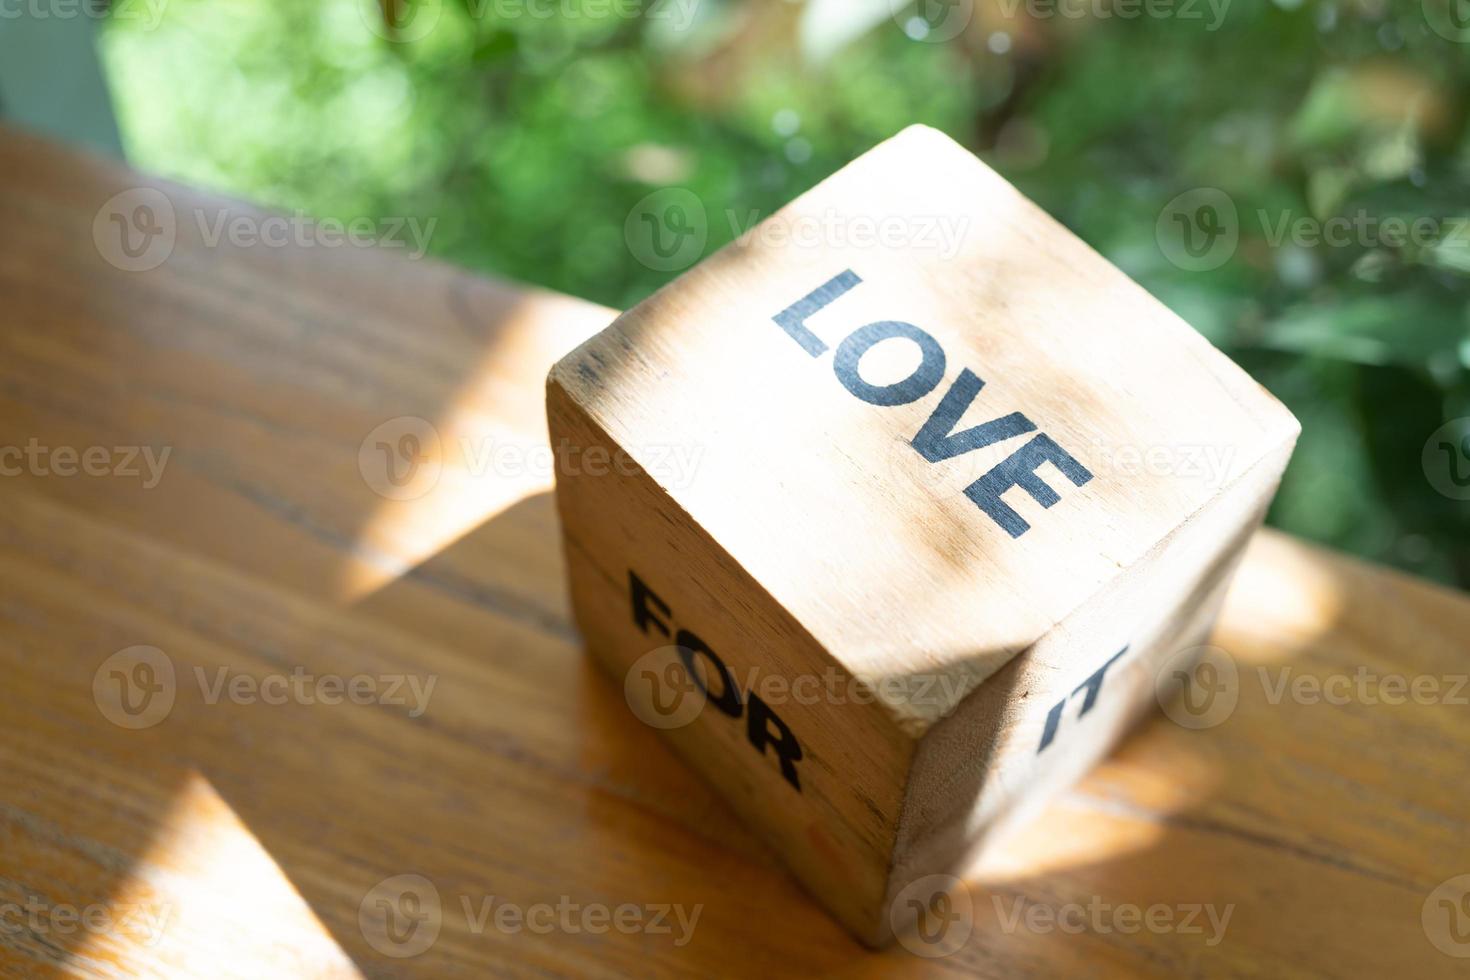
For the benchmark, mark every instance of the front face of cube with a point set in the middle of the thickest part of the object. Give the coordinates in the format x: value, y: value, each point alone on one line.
x: 836, y: 477
x: 737, y: 685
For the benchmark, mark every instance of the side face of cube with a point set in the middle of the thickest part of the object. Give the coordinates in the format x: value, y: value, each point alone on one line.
x: 1056, y: 710
x: 923, y: 492
x: 736, y: 685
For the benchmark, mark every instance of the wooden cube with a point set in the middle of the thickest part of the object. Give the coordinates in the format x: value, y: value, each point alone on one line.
x: 890, y: 513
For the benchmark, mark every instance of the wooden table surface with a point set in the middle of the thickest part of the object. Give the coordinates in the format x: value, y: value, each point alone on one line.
x: 238, y: 822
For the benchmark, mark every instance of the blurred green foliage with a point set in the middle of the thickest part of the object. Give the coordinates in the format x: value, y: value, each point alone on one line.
x: 531, y: 138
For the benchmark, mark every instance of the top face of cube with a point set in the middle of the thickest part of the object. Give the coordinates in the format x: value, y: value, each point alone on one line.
x: 924, y: 416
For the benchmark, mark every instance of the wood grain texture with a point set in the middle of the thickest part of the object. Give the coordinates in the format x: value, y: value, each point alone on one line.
x: 258, y: 831
x: 823, y: 497
x: 1005, y: 560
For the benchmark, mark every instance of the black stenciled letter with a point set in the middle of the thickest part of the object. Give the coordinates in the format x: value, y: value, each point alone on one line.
x: 1019, y: 470
x: 1093, y: 684
x: 924, y: 379
x: 937, y: 440
x: 758, y: 725
x: 793, y: 318
x: 690, y: 646
x: 642, y: 596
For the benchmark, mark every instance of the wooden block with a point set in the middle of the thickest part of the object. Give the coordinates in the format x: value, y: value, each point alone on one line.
x: 891, y: 514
